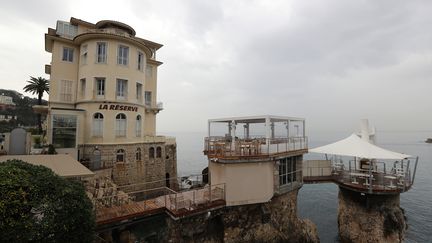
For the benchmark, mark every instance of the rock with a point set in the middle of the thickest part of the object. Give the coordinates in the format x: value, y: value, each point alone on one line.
x: 370, y: 218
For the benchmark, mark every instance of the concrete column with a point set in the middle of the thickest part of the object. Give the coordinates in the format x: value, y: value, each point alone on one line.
x: 233, y: 135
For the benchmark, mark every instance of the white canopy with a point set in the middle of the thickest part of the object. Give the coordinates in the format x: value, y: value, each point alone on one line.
x: 355, y: 146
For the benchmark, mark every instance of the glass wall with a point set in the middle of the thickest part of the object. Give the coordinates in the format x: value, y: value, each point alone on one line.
x: 64, y: 131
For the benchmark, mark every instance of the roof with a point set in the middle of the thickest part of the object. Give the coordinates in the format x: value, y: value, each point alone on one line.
x: 62, y: 164
x: 355, y: 146
x: 256, y: 119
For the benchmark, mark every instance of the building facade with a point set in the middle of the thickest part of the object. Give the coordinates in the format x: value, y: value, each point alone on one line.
x: 6, y: 102
x: 256, y: 158
x: 103, y: 100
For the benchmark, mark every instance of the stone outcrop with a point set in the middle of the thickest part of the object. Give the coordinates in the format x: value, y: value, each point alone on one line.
x: 275, y: 221
x: 370, y: 218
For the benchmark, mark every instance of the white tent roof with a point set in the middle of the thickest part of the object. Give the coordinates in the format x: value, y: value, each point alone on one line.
x: 355, y: 146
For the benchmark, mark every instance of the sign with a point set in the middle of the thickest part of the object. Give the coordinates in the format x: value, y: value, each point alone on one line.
x: 118, y: 107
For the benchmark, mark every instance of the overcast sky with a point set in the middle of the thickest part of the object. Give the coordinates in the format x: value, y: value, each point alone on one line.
x: 332, y: 62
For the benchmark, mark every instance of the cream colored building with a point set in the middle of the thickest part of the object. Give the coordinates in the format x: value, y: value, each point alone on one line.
x: 103, y: 99
x: 256, y: 157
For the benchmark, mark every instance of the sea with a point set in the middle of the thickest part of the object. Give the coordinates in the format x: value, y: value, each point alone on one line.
x: 319, y: 202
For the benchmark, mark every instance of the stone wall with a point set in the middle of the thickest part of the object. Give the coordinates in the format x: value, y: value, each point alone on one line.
x: 275, y: 221
x: 370, y: 218
x: 136, y: 169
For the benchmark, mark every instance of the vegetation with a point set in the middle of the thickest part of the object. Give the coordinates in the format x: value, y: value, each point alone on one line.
x: 23, y: 110
x: 37, y: 86
x: 38, y: 206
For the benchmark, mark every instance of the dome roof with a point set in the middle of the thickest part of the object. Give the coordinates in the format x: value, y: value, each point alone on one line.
x: 111, y: 23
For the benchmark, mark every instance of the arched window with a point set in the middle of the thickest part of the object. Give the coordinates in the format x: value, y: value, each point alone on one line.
x: 120, y: 156
x: 121, y: 125
x: 138, y: 126
x: 138, y: 154
x: 151, y: 152
x: 98, y: 125
x: 158, y: 152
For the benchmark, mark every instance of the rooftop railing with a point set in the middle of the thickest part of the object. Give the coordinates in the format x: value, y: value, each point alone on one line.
x: 224, y: 147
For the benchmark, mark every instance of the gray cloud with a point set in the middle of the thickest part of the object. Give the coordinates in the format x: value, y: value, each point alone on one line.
x: 332, y: 62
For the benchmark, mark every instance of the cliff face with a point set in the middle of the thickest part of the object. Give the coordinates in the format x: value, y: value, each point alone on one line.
x: 370, y: 218
x: 275, y: 221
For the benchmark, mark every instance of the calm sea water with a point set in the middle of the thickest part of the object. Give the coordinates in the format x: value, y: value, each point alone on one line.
x: 319, y: 202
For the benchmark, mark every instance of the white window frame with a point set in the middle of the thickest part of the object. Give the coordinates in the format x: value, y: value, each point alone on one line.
x: 121, y: 89
x: 122, y: 55
x: 83, y: 87
x: 140, y: 61
x: 100, y: 93
x: 148, y: 98
x: 66, y: 90
x: 101, y: 57
x: 97, y: 128
x: 84, y: 50
x: 121, y: 125
x: 138, y: 125
x: 67, y: 54
x: 139, y: 92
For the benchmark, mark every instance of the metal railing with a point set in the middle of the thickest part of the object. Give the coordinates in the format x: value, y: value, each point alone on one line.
x: 225, y: 147
x: 377, y: 178
x: 134, y: 202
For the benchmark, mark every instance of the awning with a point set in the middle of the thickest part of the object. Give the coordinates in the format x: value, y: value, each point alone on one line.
x: 62, y: 164
x: 355, y: 146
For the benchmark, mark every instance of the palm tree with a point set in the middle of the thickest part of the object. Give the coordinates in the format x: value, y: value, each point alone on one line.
x: 37, y: 86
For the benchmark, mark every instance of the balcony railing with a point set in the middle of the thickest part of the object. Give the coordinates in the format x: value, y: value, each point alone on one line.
x: 379, y: 179
x: 224, y: 147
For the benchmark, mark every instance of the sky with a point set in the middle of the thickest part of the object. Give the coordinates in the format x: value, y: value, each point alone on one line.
x: 332, y: 62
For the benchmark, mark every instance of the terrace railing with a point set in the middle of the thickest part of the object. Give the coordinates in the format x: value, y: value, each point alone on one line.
x: 224, y: 147
x: 378, y: 179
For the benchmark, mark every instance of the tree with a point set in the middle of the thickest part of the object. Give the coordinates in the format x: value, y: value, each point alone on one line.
x: 38, y: 206
x: 37, y: 86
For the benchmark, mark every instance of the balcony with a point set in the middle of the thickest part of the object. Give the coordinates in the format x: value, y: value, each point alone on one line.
x: 262, y: 136
x: 153, y: 108
x: 225, y: 148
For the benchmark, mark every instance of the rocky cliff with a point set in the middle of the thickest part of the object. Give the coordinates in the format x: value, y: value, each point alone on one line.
x: 370, y: 218
x: 275, y: 221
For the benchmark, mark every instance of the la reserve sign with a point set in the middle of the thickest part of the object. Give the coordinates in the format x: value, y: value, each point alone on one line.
x: 118, y: 107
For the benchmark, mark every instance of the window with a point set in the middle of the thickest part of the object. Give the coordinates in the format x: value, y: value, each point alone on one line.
x: 66, y: 90
x: 138, y: 154
x: 100, y: 87
x: 148, y: 98
x: 287, y: 168
x: 122, y: 55
x: 140, y: 61
x: 149, y: 71
x: 158, y: 152
x: 66, y: 29
x: 101, y: 52
x: 138, y: 126
x: 151, y: 152
x: 121, y: 125
x: 98, y: 125
x: 139, y: 92
x: 121, y: 89
x: 68, y: 54
x: 82, y: 87
x: 64, y: 131
x: 84, y: 54
x: 120, y: 156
